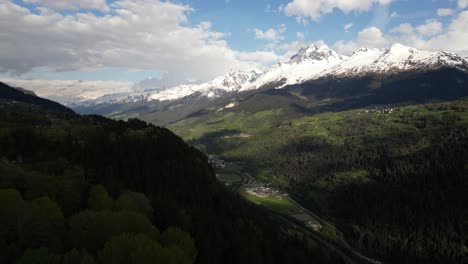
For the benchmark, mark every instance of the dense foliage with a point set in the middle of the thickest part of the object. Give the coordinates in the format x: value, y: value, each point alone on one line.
x: 86, y: 189
x: 393, y: 177
x: 36, y: 231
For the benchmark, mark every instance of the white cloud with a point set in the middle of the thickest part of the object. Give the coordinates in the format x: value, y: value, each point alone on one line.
x: 429, y: 36
x: 431, y: 28
x: 462, y: 4
x: 265, y: 57
x: 302, y: 20
x: 404, y: 28
x: 269, y: 34
x: 372, y: 37
x: 72, y: 4
x: 280, y: 8
x: 273, y: 36
x: 300, y: 36
x: 64, y: 90
x: 444, y: 12
x: 291, y: 48
x: 269, y: 9
x: 348, y: 26
x: 317, y: 8
x: 369, y: 37
x: 453, y: 38
x: 136, y: 34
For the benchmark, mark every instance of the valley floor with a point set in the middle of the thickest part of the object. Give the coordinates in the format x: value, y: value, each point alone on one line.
x: 282, y: 204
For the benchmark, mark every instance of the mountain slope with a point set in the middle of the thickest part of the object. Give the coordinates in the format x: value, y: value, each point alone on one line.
x: 54, y: 161
x: 310, y: 63
x: 335, y: 93
x: 305, y: 65
x: 391, y: 177
x: 396, y: 59
x: 380, y: 151
x: 9, y: 94
x: 233, y: 81
x: 316, y: 69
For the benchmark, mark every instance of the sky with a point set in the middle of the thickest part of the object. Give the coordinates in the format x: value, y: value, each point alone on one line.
x: 66, y: 48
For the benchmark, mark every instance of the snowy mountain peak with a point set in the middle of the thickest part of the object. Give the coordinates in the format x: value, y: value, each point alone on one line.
x: 399, y: 46
x: 398, y: 52
x: 305, y: 65
x: 397, y: 58
x: 364, y: 51
x: 316, y: 52
x: 235, y: 80
x: 309, y: 63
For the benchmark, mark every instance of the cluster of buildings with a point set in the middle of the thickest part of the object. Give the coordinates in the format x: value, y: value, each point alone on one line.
x: 216, y: 162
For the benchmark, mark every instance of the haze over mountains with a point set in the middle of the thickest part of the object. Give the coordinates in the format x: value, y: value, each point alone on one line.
x: 316, y: 61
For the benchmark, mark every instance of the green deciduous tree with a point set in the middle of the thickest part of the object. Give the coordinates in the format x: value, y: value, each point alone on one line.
x: 11, y: 219
x: 141, y: 249
x: 90, y: 230
x: 39, y: 256
x: 99, y: 199
x: 130, y: 248
x: 178, y: 238
x: 134, y: 202
x: 44, y: 224
x: 75, y: 256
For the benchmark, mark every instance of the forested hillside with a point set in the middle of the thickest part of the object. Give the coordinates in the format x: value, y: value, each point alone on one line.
x: 86, y: 189
x: 392, y: 177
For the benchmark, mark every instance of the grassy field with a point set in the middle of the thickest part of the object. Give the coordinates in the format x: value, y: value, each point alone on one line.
x: 195, y: 128
x: 269, y: 132
x: 273, y: 202
x: 231, y: 178
x: 231, y: 168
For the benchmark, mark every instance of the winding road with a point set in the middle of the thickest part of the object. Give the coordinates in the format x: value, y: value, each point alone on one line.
x: 339, y: 233
x: 343, y: 248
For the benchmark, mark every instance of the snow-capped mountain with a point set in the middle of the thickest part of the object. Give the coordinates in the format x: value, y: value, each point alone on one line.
x: 310, y: 63
x: 319, y: 61
x: 231, y: 82
x: 315, y: 52
x: 398, y: 58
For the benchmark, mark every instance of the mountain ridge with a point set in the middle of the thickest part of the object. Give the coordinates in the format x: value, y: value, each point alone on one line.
x: 316, y: 61
x: 9, y: 94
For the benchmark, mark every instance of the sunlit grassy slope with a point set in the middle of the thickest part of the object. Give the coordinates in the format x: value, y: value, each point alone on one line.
x: 257, y: 138
x: 276, y: 203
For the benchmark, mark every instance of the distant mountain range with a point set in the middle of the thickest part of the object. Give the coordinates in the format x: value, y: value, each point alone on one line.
x: 314, y: 72
x: 310, y: 63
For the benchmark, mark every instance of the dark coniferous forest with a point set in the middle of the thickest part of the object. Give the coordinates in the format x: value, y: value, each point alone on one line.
x: 86, y: 189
